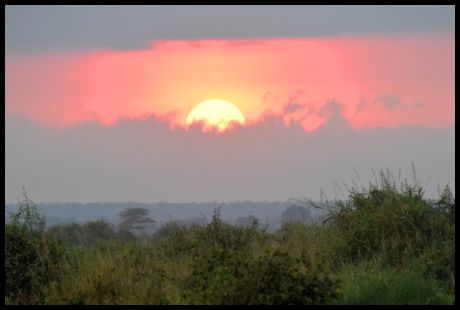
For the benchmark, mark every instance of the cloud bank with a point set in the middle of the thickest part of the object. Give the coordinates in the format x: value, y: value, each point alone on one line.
x: 75, y: 27
x: 147, y: 161
x: 376, y: 81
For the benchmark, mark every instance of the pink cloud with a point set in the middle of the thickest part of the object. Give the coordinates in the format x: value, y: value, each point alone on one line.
x: 377, y: 82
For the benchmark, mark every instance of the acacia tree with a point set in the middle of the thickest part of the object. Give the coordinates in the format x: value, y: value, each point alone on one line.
x: 135, y: 219
x: 296, y: 213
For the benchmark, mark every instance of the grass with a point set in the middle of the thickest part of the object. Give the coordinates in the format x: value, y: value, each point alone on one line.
x: 368, y: 285
x: 382, y: 245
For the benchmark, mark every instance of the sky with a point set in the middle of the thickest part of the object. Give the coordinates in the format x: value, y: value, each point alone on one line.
x: 97, y: 97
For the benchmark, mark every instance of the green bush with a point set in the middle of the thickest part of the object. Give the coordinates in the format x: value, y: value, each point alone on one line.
x: 394, y: 225
x: 31, y: 258
x: 166, y: 231
x: 230, y: 267
x: 438, y: 262
x: 86, y: 234
x: 179, y: 242
x: 275, y: 277
x: 113, y: 272
x: 384, y: 245
x: 23, y: 272
x: 367, y: 286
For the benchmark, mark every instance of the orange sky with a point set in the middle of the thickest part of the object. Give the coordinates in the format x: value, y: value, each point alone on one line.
x: 376, y: 81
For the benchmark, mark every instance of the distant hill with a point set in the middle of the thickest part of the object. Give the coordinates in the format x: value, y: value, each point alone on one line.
x: 59, y: 213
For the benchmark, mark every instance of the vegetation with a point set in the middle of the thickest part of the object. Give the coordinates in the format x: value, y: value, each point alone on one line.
x: 383, y: 245
x: 296, y: 213
x: 135, y: 219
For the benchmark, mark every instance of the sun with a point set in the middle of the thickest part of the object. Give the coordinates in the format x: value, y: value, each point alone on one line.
x: 215, y: 114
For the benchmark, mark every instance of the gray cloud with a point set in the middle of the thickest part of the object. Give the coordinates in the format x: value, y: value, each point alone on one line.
x: 57, y: 28
x: 336, y: 123
x: 144, y: 160
x: 389, y: 102
x: 293, y: 107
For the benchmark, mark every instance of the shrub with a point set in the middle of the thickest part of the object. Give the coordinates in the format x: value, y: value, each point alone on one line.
x: 23, y: 272
x: 395, y: 225
x: 86, y: 234
x: 296, y: 213
x: 180, y: 241
x: 113, y: 272
x: 31, y: 258
x: 438, y: 262
x: 165, y: 231
x: 369, y: 286
x: 230, y: 267
x: 384, y: 245
x: 276, y: 277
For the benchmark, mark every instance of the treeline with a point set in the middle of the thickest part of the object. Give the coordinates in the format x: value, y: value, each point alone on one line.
x: 64, y: 213
x: 382, y: 245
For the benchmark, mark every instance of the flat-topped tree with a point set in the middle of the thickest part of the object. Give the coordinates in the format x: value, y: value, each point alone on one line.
x: 135, y: 219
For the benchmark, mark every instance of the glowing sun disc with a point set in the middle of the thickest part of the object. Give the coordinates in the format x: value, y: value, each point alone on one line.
x: 215, y: 113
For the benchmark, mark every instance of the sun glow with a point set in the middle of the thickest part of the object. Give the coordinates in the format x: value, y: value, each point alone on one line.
x: 376, y: 82
x: 215, y: 114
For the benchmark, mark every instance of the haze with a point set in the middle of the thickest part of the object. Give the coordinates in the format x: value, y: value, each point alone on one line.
x: 96, y: 100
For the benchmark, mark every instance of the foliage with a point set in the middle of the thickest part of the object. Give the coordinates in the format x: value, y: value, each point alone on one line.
x: 247, y: 221
x: 31, y: 258
x: 230, y: 267
x: 275, y: 277
x: 166, y: 231
x: 27, y: 217
x: 364, y: 285
x: 135, y: 219
x: 382, y: 245
x: 85, y: 234
x: 113, y: 272
x: 296, y: 213
x: 446, y: 203
x: 394, y: 225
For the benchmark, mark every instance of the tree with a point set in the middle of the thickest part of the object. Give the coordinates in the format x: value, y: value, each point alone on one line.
x: 32, y: 260
x: 247, y: 221
x: 296, y: 213
x: 28, y: 216
x: 135, y: 219
x: 83, y: 234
